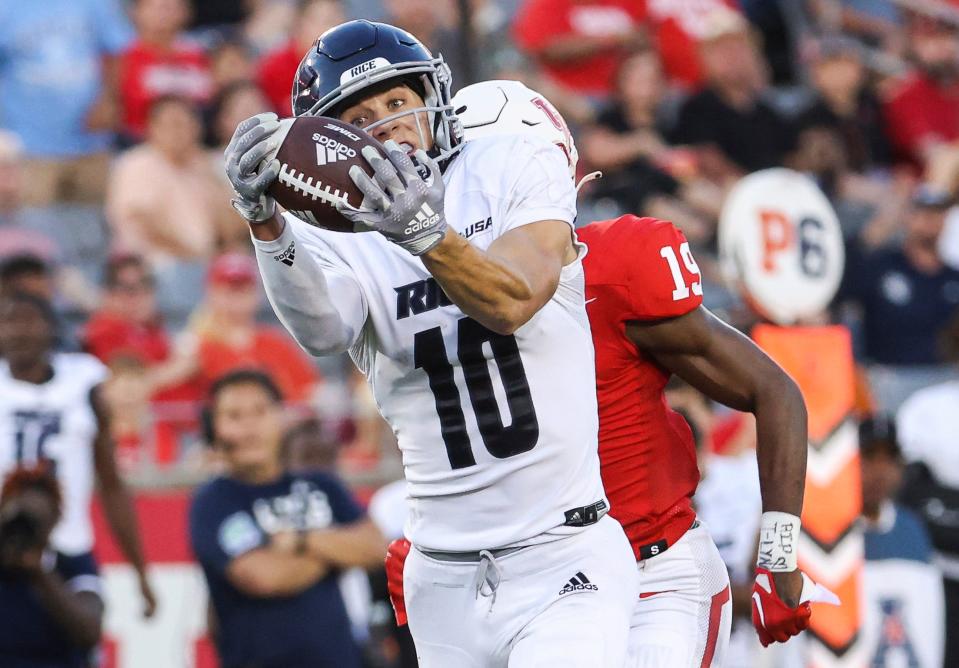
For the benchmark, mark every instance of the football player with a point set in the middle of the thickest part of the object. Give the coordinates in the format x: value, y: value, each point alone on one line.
x: 52, y: 410
x: 467, y: 314
x: 644, y: 300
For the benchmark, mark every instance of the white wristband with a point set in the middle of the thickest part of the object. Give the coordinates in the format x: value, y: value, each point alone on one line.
x: 778, y: 542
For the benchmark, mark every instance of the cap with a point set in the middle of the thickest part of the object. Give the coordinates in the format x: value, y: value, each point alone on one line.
x: 722, y: 22
x: 232, y: 269
x: 928, y: 196
x: 878, y: 433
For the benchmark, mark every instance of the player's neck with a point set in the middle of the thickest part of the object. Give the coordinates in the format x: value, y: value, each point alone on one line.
x: 259, y: 475
x: 36, y: 371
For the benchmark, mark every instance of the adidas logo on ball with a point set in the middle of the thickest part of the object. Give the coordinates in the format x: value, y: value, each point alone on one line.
x: 329, y: 150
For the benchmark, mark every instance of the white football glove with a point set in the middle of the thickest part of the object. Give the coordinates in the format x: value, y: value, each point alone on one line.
x: 251, y: 143
x: 398, y: 202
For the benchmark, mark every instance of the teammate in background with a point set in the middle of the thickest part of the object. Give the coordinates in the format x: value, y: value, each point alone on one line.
x: 51, y: 410
x: 489, y: 391
x: 272, y: 542
x: 644, y: 297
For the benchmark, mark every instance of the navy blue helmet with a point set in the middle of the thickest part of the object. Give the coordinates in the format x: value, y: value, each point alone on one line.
x: 348, y: 59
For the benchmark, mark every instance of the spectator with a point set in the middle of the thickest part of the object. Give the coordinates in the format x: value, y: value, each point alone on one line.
x: 641, y: 172
x: 127, y: 323
x: 26, y: 274
x: 845, y: 105
x: 922, y: 115
x: 906, y: 294
x: 225, y: 336
x: 734, y: 129
x: 231, y: 62
x: 50, y: 603
x: 580, y: 43
x: 903, y: 622
x: 160, y: 62
x: 927, y: 423
x: 277, y: 69
x: 271, y: 542
x: 164, y: 200
x: 313, y: 445
x: 57, y: 74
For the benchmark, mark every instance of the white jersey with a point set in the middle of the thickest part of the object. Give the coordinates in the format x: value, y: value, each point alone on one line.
x: 55, y: 421
x: 498, y: 433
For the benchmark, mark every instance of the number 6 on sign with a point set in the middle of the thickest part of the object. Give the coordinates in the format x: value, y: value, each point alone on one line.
x: 682, y: 290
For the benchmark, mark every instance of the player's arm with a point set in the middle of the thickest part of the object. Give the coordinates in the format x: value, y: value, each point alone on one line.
x: 360, y: 545
x: 324, y: 311
x: 272, y: 571
x: 504, y: 286
x: 116, y: 500
x: 728, y: 367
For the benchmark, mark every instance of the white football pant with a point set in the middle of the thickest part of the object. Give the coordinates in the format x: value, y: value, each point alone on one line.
x: 562, y: 604
x: 683, y: 612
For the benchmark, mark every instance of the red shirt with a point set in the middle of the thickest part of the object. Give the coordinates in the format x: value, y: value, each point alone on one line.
x: 635, y: 271
x: 541, y: 22
x: 107, y: 335
x: 275, y: 74
x: 147, y: 73
x: 921, y: 110
x: 271, y: 351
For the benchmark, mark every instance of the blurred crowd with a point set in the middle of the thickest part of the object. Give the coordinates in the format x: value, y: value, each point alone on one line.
x: 114, y: 204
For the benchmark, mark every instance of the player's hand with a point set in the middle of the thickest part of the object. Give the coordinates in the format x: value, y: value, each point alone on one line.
x: 251, y: 143
x: 398, y: 202
x: 778, y: 614
x: 396, y: 555
x: 149, y: 598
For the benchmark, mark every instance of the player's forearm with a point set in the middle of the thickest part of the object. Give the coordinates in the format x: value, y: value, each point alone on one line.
x: 79, y: 615
x: 485, y: 287
x: 782, y: 442
x: 359, y: 545
x: 121, y: 516
x: 299, y: 291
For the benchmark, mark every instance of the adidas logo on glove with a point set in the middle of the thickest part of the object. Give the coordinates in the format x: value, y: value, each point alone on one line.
x: 578, y: 582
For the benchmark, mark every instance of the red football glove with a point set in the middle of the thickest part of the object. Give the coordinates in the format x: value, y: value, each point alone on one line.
x: 774, y: 620
x: 395, y: 560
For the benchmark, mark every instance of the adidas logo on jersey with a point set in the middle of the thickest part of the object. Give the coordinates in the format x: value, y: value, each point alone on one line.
x: 578, y: 582
x: 329, y: 150
x: 287, y: 256
x: 425, y: 219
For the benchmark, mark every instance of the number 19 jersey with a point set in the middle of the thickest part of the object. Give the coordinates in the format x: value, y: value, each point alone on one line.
x: 497, y: 432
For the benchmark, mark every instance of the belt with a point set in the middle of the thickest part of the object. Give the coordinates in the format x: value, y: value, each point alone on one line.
x: 658, y: 547
x: 575, y: 517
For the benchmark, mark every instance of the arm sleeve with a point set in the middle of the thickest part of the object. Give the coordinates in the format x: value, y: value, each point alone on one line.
x: 218, y: 536
x: 543, y: 189
x: 116, y: 33
x: 664, y: 279
x: 319, y: 301
x: 80, y: 573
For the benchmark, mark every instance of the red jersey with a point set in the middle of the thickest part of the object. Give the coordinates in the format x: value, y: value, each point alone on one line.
x: 640, y: 269
x: 921, y: 110
x: 275, y: 72
x: 148, y: 73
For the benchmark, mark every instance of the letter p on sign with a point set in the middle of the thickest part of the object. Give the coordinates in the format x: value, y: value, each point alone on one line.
x: 777, y: 236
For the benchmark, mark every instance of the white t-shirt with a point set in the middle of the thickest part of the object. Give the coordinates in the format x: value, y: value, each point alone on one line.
x: 54, y: 420
x: 927, y: 425
x: 498, y: 433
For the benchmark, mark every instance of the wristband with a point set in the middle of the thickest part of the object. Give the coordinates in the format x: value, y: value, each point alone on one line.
x: 778, y: 542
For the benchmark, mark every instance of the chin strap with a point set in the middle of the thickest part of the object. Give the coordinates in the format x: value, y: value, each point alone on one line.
x: 592, y: 176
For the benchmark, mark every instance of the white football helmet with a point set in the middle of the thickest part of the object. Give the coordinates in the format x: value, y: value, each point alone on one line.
x: 501, y: 107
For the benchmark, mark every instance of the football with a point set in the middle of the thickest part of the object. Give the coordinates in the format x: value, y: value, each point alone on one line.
x: 316, y: 154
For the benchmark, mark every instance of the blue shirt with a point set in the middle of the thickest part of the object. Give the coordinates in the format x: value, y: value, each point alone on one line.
x: 229, y: 518
x: 29, y: 636
x: 903, y: 309
x: 51, y: 73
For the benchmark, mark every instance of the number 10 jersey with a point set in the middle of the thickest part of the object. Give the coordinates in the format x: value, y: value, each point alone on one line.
x: 497, y: 432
